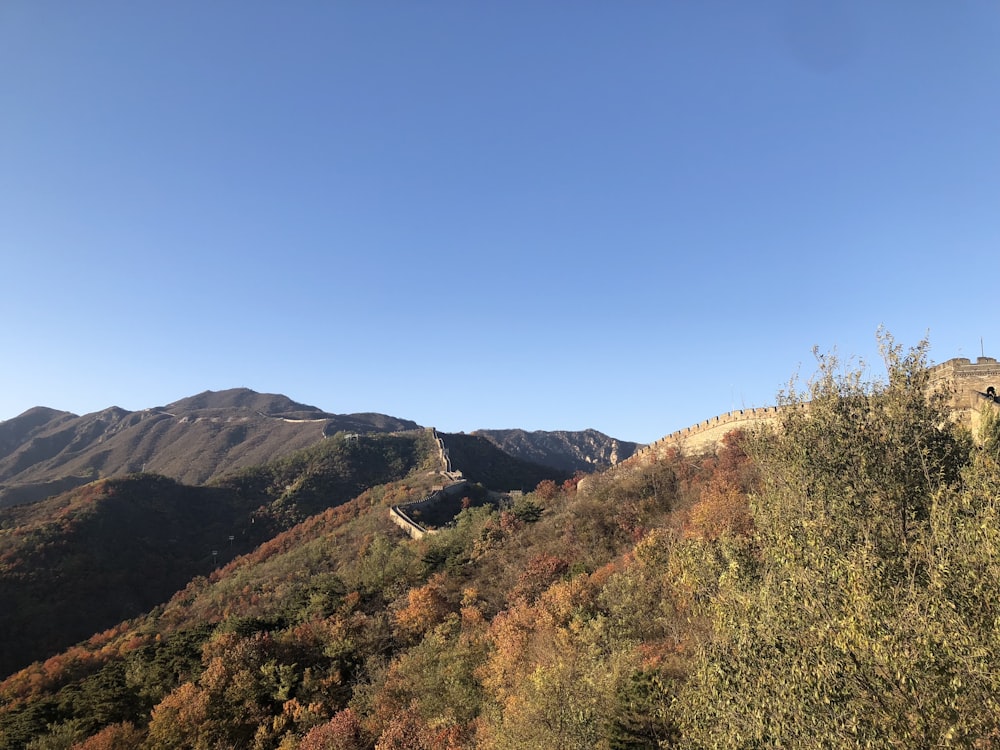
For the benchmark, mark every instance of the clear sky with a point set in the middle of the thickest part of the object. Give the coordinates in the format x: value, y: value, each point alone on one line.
x: 546, y: 215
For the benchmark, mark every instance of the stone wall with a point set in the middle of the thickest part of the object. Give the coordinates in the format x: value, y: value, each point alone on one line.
x: 704, y: 435
x: 446, y: 468
x: 400, y: 514
x: 968, y: 382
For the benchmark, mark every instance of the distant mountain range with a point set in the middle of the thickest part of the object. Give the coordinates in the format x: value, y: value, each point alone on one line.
x: 114, y: 519
x: 85, y: 559
x: 201, y: 438
x: 585, y: 450
x: 194, y: 440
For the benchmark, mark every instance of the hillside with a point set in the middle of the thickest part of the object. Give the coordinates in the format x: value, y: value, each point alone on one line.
x: 584, y: 450
x: 293, y: 635
x: 193, y: 440
x: 79, y: 562
x: 853, y: 603
x: 481, y: 461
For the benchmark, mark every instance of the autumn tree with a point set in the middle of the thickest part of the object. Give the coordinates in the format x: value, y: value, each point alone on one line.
x: 179, y: 720
x: 121, y: 736
x: 858, y: 624
x: 547, y: 489
x: 551, y: 676
x: 425, y: 607
x: 342, y: 732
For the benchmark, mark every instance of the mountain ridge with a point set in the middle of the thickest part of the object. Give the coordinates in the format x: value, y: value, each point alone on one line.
x: 192, y: 440
x: 199, y: 438
x: 582, y: 450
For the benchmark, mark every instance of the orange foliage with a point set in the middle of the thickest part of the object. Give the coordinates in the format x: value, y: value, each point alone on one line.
x: 722, y: 510
x: 508, y: 664
x: 540, y: 571
x: 123, y: 736
x: 426, y: 607
x: 74, y: 663
x: 566, y: 601
x: 407, y: 731
x: 724, y: 483
x: 342, y: 732
x: 547, y: 489
x: 177, y: 720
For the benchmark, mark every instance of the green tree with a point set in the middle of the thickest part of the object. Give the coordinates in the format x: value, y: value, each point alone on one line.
x: 859, y: 624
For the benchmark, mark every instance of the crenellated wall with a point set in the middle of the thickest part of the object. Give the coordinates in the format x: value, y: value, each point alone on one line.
x: 704, y: 435
x: 400, y: 514
x: 445, y: 457
x: 968, y: 381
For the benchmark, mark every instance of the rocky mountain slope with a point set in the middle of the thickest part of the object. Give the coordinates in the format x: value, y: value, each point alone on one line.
x: 584, y: 450
x: 482, y: 461
x: 44, y: 451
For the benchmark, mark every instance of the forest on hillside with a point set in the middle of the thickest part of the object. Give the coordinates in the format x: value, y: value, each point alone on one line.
x: 833, y: 581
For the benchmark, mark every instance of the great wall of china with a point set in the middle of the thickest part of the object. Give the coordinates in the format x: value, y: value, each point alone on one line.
x: 969, y: 383
x: 703, y: 435
x: 400, y: 514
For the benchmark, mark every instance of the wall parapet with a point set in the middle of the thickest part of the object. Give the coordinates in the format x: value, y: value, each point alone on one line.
x: 968, y: 385
x: 705, y: 433
x: 400, y: 514
x: 970, y: 381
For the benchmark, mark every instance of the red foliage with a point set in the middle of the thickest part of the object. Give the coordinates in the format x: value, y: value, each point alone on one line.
x: 407, y: 731
x: 123, y: 736
x: 537, y: 575
x: 569, y: 486
x: 547, y: 489
x: 342, y: 732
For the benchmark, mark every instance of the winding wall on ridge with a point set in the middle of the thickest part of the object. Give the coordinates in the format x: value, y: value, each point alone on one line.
x: 400, y: 514
x: 704, y: 435
x: 968, y: 382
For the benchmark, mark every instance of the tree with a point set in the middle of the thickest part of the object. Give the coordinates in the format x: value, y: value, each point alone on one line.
x: 342, y: 732
x: 859, y: 624
x: 869, y: 454
x: 179, y: 720
x: 123, y: 736
x: 426, y: 606
x: 642, y: 716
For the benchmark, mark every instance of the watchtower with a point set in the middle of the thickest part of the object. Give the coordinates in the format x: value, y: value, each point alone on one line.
x: 971, y: 384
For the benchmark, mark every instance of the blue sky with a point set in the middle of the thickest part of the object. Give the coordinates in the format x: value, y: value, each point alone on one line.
x: 547, y: 215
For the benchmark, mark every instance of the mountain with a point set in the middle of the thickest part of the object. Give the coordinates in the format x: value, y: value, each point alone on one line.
x: 753, y: 594
x: 193, y: 440
x: 480, y: 460
x: 584, y: 450
x: 82, y: 561
x: 341, y: 620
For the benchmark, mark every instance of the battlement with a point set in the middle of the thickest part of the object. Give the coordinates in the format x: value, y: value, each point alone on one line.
x: 701, y: 436
x: 969, y: 384
x: 961, y: 373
